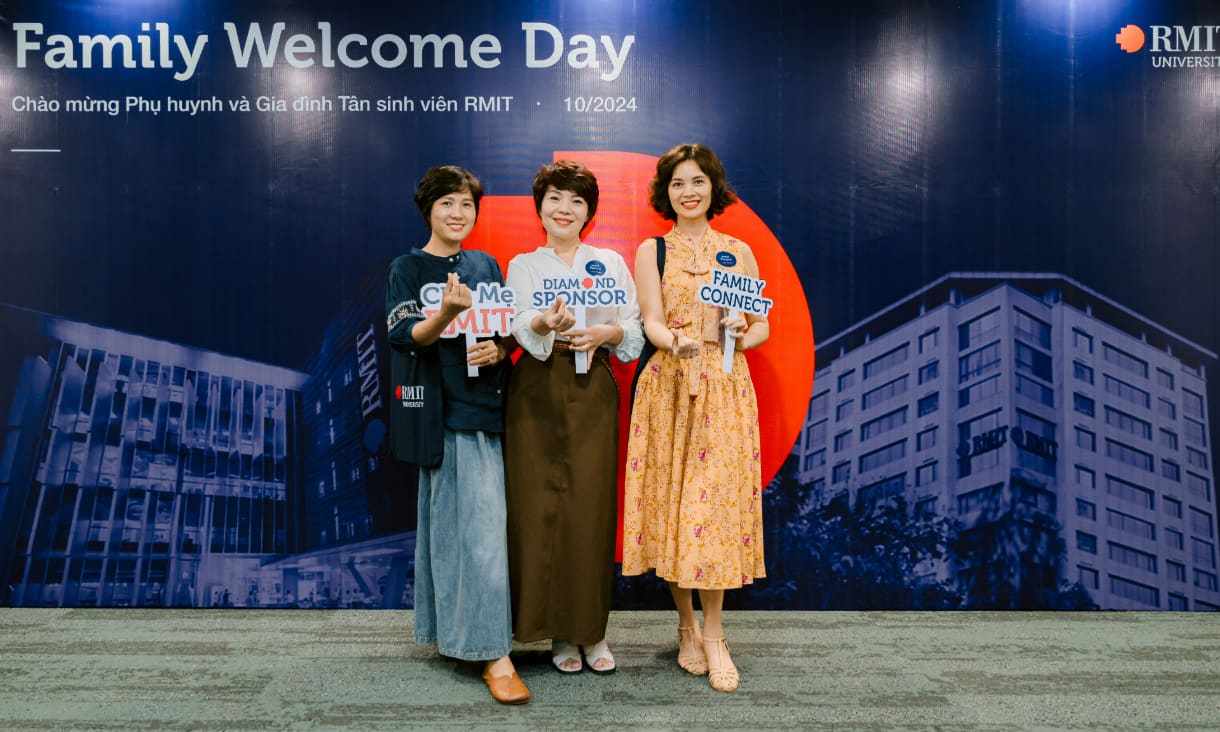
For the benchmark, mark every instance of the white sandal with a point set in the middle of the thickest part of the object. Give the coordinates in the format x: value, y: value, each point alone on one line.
x: 561, y: 653
x: 599, y: 651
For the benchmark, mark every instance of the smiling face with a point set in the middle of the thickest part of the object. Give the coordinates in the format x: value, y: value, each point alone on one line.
x: 453, y: 217
x: 563, y: 214
x: 690, y: 191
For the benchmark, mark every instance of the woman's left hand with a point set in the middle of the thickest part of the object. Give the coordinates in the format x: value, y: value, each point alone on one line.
x: 735, y: 326
x: 484, y: 353
x: 589, y: 339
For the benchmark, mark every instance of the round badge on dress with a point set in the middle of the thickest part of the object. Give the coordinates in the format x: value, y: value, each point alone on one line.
x: 595, y: 267
x: 725, y: 259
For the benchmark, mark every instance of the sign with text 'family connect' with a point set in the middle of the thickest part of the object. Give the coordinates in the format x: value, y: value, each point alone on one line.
x: 737, y: 293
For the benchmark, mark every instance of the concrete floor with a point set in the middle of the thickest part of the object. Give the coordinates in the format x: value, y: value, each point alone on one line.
x: 358, y: 670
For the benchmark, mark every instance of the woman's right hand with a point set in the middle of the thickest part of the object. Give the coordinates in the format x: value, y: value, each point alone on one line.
x: 684, y: 347
x: 556, y: 318
x: 456, y: 297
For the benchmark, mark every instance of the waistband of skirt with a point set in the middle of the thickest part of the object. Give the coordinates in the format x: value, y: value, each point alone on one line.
x: 564, y: 347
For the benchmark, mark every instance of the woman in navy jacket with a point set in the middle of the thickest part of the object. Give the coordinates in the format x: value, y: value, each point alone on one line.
x: 462, y: 600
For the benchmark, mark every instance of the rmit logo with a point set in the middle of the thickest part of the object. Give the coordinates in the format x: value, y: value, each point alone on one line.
x: 1130, y: 38
x: 1169, y: 38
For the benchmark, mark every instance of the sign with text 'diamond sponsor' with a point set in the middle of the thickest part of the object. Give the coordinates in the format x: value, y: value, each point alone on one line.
x: 596, y: 290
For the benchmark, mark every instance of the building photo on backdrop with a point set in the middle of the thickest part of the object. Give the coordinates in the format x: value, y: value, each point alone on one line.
x: 989, y: 231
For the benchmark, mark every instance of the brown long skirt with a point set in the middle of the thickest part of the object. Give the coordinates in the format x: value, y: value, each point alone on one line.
x: 561, y: 463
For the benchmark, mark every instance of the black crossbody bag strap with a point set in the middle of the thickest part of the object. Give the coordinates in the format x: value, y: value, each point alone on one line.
x: 649, y: 349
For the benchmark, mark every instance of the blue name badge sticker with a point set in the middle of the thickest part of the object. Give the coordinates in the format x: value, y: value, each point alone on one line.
x: 595, y: 267
x: 725, y: 259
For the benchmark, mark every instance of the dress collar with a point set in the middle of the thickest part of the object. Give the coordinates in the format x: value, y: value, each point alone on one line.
x: 699, y: 251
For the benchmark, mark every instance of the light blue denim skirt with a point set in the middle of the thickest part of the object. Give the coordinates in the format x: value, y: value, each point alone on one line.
x: 462, y: 601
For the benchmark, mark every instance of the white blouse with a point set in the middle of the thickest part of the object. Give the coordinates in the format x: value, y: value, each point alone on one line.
x: 526, y: 273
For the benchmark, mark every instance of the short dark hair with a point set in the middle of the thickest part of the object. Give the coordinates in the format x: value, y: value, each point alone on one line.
x: 440, y: 182
x: 658, y: 188
x: 567, y: 175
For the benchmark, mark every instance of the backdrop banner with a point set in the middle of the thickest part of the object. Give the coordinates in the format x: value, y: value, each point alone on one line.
x: 1000, y: 219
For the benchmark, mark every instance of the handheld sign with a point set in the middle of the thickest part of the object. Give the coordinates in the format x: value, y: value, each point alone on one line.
x: 738, y: 293
x: 490, y: 313
x: 597, y: 290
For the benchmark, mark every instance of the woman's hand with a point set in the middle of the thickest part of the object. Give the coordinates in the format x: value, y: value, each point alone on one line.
x: 595, y: 336
x: 555, y: 318
x: 684, y: 347
x: 456, y: 297
x: 735, y: 327
x: 485, y: 353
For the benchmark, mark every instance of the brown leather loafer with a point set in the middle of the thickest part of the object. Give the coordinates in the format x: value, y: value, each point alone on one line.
x: 507, y: 689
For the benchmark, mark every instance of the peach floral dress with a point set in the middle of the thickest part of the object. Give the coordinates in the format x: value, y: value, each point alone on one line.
x: 693, y: 501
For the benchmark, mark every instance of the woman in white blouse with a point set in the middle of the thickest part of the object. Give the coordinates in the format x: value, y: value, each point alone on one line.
x: 561, y: 433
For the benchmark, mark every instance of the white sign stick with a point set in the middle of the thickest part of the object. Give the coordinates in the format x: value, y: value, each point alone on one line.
x: 471, y: 340
x: 730, y: 346
x: 582, y: 357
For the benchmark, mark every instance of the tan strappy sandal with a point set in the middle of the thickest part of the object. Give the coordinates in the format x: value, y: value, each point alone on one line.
x: 722, y: 674
x: 692, y: 660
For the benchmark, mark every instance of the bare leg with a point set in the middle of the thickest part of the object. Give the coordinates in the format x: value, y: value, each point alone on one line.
x: 713, y: 603
x: 722, y: 674
x: 684, y: 601
x: 690, y: 639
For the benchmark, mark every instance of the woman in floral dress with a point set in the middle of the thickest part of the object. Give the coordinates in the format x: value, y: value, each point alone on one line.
x: 693, y: 509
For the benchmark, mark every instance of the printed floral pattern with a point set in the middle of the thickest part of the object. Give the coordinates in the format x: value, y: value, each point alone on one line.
x: 694, y: 470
